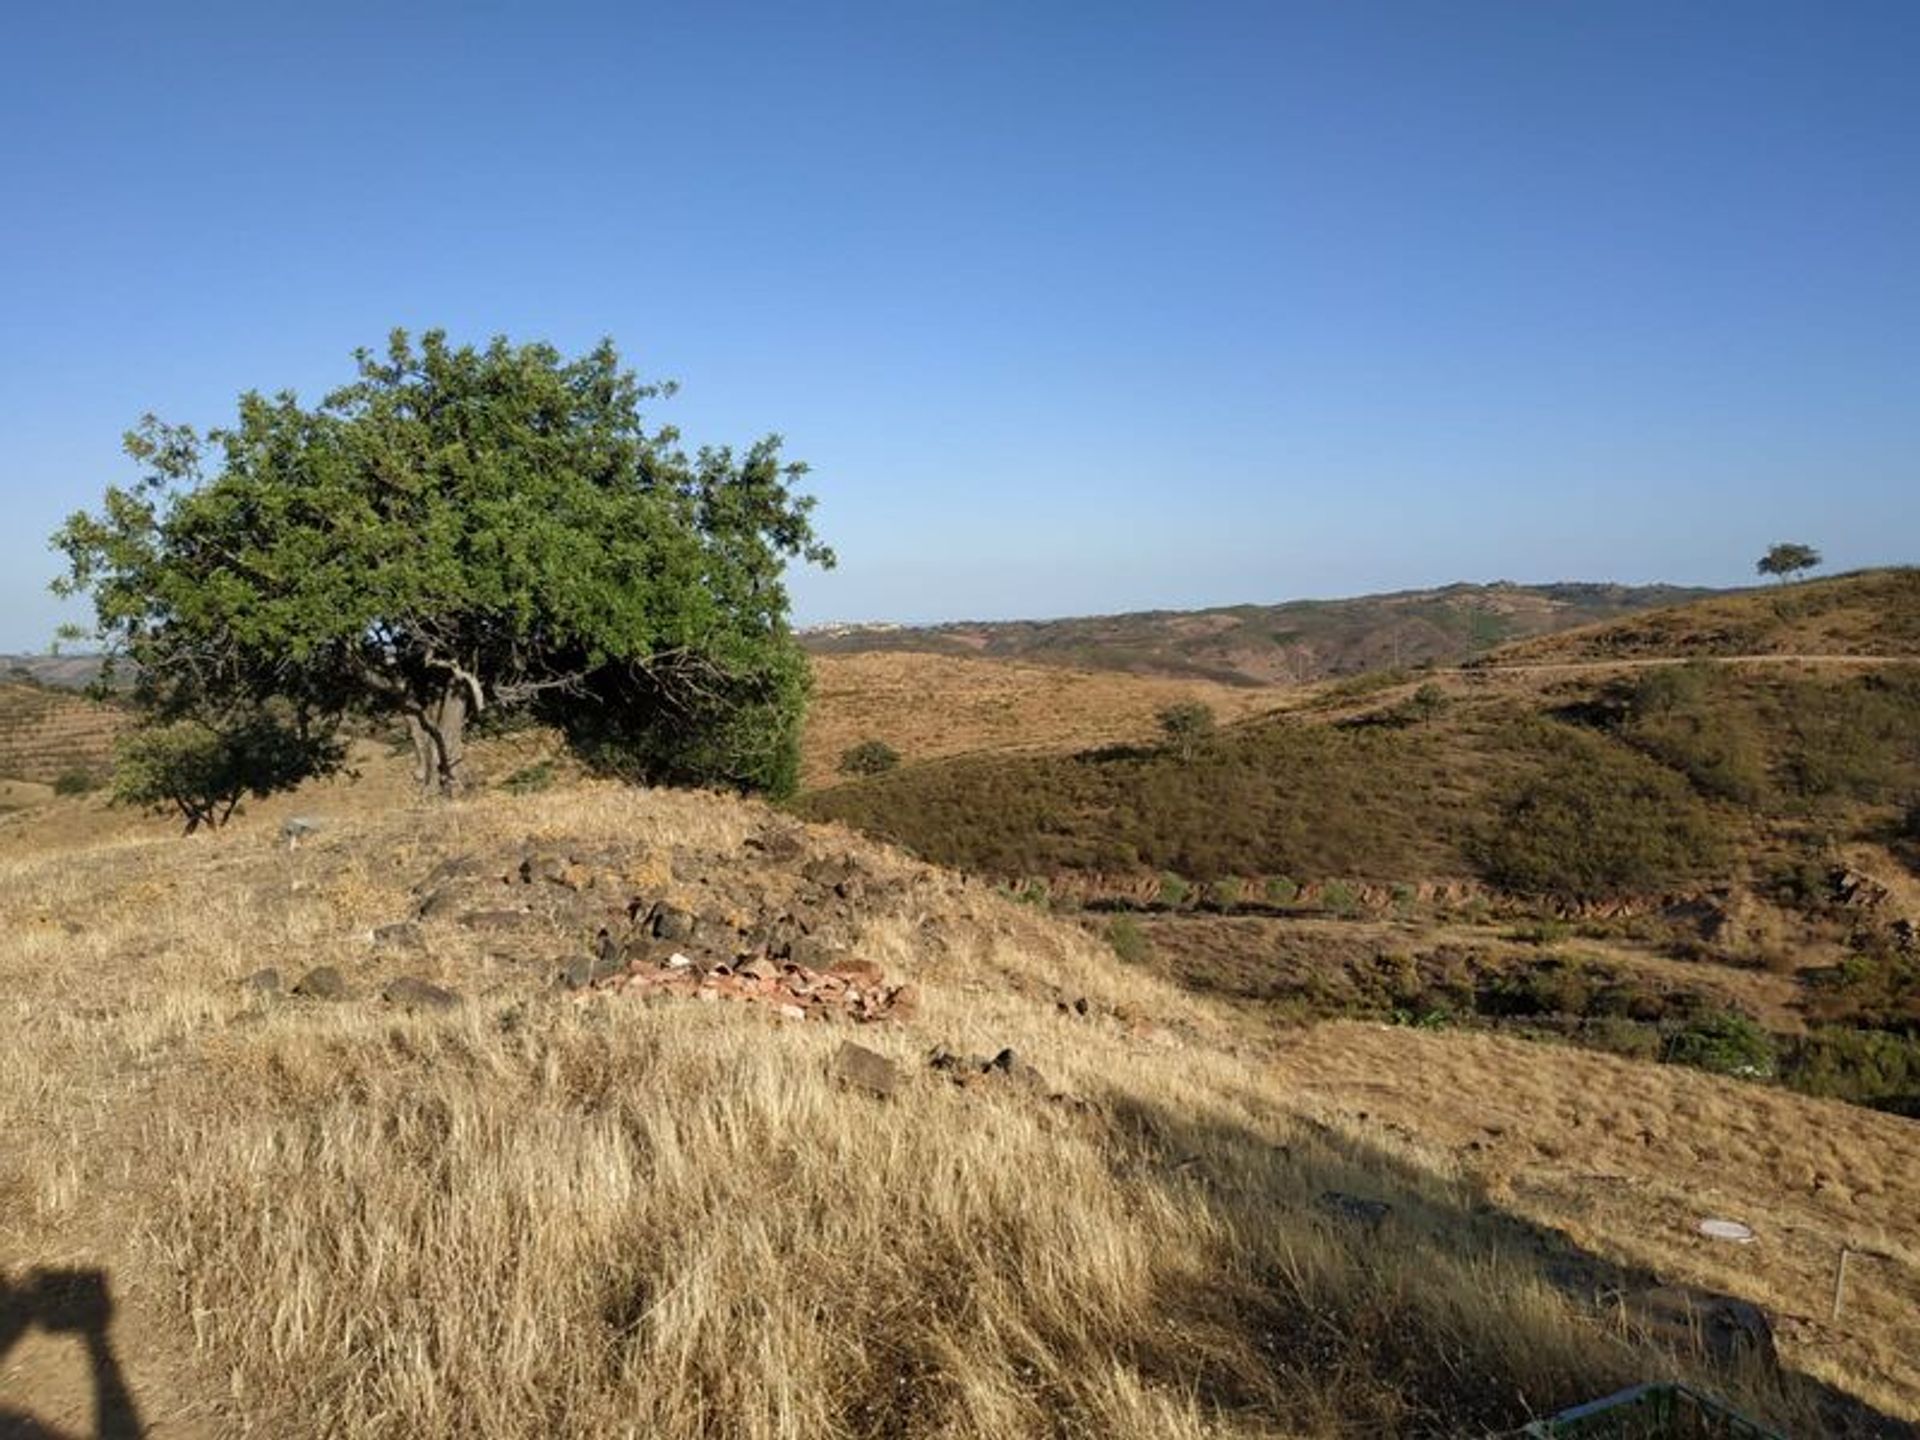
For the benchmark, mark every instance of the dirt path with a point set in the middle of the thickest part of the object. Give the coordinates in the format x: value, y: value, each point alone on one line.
x: 1654, y: 662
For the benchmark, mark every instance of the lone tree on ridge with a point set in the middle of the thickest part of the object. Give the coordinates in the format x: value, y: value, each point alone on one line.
x: 461, y: 530
x: 1784, y: 561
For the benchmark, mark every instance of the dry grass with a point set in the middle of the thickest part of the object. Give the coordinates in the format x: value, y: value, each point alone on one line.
x: 531, y: 1217
x: 1630, y: 1156
x: 933, y: 706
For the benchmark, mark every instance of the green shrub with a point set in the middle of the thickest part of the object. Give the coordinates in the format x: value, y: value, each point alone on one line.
x: 1279, y: 890
x: 1338, y: 896
x: 1868, y: 1067
x: 1539, y: 932
x: 1598, y: 821
x: 1618, y: 1035
x: 75, y: 782
x: 1725, y: 1043
x: 1173, y: 890
x: 869, y: 757
x: 530, y: 779
x: 1128, y: 940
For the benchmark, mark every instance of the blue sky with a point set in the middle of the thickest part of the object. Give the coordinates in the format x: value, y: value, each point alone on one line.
x: 1073, y: 307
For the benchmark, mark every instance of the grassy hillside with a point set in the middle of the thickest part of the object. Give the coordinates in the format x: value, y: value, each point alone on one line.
x: 537, y: 1210
x: 1872, y: 613
x: 1585, y: 791
x: 1292, y: 643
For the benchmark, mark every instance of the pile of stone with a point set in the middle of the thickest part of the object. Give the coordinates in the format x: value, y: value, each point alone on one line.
x: 847, y: 990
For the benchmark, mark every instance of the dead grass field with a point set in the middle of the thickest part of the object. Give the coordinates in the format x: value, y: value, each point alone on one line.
x: 531, y: 1217
x: 933, y: 706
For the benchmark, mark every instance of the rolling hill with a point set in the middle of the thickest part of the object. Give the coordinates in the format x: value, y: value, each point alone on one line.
x: 1601, y: 849
x: 431, y: 1193
x: 1873, y: 613
x: 1292, y: 643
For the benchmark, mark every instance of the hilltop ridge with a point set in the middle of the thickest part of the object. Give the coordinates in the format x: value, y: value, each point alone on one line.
x: 1295, y: 642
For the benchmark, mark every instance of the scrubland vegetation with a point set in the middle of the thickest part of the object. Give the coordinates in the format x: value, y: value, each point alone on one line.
x: 1641, y: 803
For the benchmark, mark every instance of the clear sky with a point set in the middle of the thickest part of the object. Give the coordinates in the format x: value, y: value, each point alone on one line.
x: 1073, y: 307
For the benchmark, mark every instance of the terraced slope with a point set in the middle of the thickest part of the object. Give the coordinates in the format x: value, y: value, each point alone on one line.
x: 47, y: 733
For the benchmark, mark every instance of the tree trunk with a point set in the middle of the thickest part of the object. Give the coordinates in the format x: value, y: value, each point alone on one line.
x: 438, y: 728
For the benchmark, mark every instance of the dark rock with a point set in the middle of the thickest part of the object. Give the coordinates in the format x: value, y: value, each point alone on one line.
x: 782, y: 847
x: 1010, y: 1066
x: 672, y: 923
x: 267, y: 982
x: 813, y: 953
x: 1370, y: 1214
x: 416, y: 994
x: 1721, y: 1327
x: 324, y: 983
x: 402, y: 936
x: 864, y: 1069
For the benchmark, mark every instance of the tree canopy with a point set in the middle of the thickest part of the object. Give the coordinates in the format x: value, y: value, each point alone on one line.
x: 1785, y: 560
x: 459, y: 530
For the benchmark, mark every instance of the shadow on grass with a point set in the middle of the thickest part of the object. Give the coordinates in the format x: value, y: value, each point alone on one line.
x: 76, y: 1303
x: 1351, y: 1293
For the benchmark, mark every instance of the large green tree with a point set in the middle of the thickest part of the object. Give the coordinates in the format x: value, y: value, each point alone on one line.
x: 461, y: 530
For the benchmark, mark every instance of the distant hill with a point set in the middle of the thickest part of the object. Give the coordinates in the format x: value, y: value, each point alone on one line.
x: 1867, y: 613
x: 1296, y: 642
x: 69, y: 672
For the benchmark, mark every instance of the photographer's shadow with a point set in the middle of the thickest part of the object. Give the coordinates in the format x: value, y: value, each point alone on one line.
x: 75, y: 1303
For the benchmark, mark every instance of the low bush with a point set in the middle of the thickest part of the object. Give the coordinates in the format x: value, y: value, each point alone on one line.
x: 1279, y: 890
x: 869, y: 757
x: 75, y: 782
x: 530, y: 779
x: 1128, y: 940
x: 1867, y: 1067
x: 1725, y: 1043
